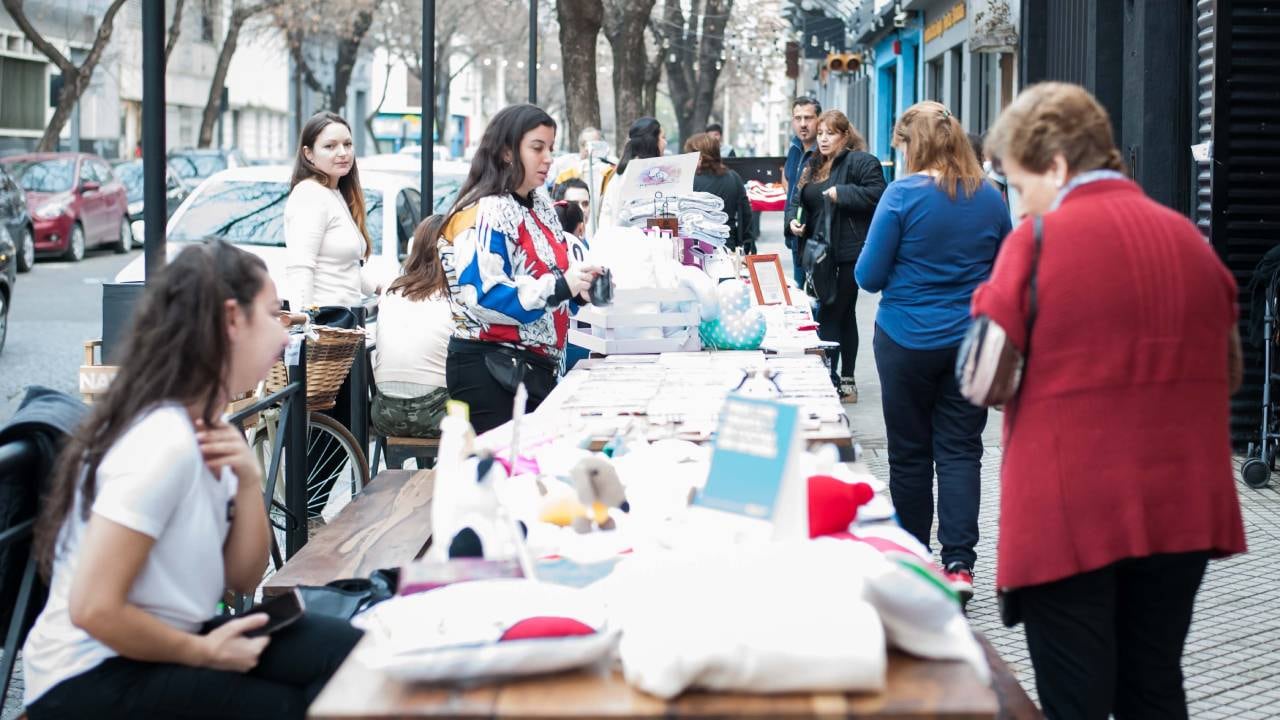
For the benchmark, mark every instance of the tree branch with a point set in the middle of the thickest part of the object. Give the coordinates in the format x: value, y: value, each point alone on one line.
x: 175, y: 29
x: 19, y: 15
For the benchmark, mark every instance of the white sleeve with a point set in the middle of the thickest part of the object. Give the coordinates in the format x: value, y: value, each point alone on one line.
x: 145, y: 476
x: 306, y: 220
x: 609, y: 203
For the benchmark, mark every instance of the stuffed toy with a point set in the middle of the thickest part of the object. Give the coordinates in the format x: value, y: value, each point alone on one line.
x: 833, y: 504
x: 596, y: 488
x: 467, y: 519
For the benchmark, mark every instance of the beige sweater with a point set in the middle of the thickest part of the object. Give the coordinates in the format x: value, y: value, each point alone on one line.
x: 325, y: 249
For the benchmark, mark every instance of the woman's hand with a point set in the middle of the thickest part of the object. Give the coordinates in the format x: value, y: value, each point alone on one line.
x: 796, y: 228
x: 227, y: 648
x: 830, y: 193
x: 224, y: 446
x: 579, y: 278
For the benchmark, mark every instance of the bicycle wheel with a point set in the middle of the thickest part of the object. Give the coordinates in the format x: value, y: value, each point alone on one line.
x: 329, y: 446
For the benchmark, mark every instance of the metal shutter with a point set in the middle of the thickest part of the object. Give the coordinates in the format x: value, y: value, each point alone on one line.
x: 1240, y: 69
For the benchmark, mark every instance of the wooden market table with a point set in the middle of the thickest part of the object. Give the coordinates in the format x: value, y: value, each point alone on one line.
x: 915, y: 689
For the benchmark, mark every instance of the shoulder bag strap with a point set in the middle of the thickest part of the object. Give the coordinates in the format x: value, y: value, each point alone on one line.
x: 828, y: 209
x: 1037, y: 225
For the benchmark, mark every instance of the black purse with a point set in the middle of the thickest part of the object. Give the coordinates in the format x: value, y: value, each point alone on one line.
x: 818, y: 262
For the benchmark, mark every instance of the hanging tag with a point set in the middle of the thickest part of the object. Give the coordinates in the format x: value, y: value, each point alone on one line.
x: 292, y: 352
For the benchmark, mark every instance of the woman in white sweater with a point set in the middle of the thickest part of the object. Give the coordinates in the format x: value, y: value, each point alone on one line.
x: 415, y: 322
x: 324, y: 219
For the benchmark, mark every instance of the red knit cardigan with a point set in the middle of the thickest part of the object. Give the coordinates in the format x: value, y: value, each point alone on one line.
x: 1118, y: 445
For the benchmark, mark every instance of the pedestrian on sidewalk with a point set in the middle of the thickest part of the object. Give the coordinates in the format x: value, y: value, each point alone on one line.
x: 934, y: 238
x: 155, y: 511
x: 804, y: 123
x: 713, y: 177
x: 1116, y: 485
x: 645, y: 139
x: 513, y: 280
x: 843, y: 180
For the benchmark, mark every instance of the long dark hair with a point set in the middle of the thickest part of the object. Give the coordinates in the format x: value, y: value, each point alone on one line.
x: 491, y: 173
x: 348, y: 185
x: 642, y: 142
x: 177, y: 350
x: 423, y: 275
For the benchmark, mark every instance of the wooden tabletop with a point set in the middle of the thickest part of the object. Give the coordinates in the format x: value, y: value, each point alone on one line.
x: 386, y: 525
x: 915, y: 689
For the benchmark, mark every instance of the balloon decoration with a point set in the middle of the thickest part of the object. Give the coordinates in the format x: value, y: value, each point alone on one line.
x: 741, y: 325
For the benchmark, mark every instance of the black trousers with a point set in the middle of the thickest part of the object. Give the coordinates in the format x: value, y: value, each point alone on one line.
x: 291, y: 671
x: 1110, y: 641
x: 838, y: 322
x: 469, y: 380
x: 929, y: 424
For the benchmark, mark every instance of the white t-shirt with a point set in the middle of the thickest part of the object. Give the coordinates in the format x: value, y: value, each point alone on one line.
x: 413, y: 340
x: 152, y: 480
x: 324, y: 247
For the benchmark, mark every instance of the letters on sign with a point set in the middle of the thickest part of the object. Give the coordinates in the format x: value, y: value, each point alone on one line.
x: 934, y: 30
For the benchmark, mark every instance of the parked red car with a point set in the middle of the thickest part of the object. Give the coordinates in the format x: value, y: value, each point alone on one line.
x: 75, y: 201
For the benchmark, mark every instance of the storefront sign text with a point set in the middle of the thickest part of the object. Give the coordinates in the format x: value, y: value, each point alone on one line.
x: 935, y: 29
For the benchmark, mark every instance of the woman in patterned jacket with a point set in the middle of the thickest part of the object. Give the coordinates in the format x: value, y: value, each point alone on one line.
x: 512, y: 280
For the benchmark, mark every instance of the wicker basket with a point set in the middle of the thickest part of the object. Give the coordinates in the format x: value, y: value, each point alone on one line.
x: 329, y: 358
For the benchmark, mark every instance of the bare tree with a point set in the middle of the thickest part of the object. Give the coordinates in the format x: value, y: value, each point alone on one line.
x: 240, y: 14
x: 464, y: 30
x: 580, y: 24
x: 624, y: 25
x: 344, y: 22
x: 75, y: 78
x: 175, y: 29
x: 694, y: 58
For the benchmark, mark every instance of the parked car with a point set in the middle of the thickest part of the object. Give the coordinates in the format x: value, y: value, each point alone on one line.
x: 438, y: 152
x: 15, y: 221
x: 447, y: 175
x: 8, y: 279
x: 76, y: 201
x: 130, y: 173
x: 245, y: 206
x: 194, y: 165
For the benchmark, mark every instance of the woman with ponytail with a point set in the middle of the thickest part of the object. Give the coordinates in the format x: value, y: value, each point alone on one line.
x: 934, y: 237
x: 645, y: 139
x: 155, y: 511
x: 1116, y: 484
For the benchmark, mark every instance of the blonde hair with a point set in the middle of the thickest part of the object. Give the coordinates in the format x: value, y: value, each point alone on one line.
x: 1055, y: 118
x: 931, y: 139
x: 819, y: 166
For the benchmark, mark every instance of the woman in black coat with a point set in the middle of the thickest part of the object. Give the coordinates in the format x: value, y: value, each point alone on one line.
x: 842, y: 179
x: 713, y: 177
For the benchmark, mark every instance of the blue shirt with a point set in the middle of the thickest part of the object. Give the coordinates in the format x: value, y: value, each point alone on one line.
x: 926, y: 253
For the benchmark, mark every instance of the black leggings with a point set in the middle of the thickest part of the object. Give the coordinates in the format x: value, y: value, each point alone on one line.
x: 489, y: 403
x: 292, y: 670
x: 838, y: 322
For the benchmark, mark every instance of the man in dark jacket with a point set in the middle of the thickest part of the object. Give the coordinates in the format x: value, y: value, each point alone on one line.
x: 804, y: 123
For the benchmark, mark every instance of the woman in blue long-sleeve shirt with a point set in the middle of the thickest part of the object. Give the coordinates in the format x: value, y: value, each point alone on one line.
x: 933, y: 239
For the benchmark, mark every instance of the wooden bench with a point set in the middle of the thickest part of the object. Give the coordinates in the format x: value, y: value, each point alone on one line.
x: 915, y: 689
x: 386, y: 525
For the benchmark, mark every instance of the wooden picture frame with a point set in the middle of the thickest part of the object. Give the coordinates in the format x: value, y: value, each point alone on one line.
x: 768, y: 268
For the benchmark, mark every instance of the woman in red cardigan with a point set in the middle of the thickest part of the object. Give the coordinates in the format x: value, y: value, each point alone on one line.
x: 1117, y: 485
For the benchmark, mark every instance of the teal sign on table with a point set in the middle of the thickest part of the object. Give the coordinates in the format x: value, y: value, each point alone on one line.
x: 754, y: 446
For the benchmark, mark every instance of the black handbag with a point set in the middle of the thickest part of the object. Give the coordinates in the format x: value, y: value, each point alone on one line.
x: 343, y: 599
x: 335, y: 316
x: 818, y: 262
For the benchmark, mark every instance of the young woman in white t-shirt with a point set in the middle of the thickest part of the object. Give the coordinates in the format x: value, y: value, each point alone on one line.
x: 415, y: 323
x: 155, y: 510
x: 324, y: 219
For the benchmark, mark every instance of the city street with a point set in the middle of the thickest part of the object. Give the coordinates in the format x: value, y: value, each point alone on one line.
x: 56, y: 307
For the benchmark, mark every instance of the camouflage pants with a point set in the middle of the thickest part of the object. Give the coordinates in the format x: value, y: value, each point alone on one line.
x: 409, y: 417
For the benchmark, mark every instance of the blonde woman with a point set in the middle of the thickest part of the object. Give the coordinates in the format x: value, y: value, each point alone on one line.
x: 933, y: 239
x: 845, y: 180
